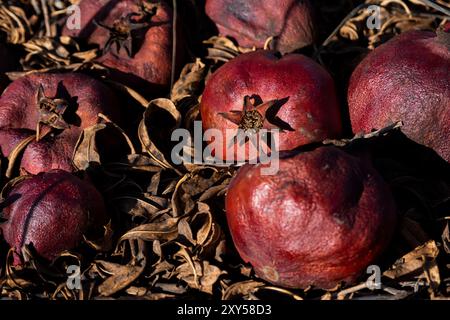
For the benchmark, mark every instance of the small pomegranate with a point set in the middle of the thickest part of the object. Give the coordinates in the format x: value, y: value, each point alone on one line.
x: 260, y: 90
x: 406, y: 79
x: 61, y: 105
x: 320, y: 221
x: 135, y: 36
x: 252, y: 22
x: 52, y: 211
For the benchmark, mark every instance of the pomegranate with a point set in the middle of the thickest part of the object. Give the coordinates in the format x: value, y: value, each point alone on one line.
x: 63, y: 103
x: 292, y: 93
x: 135, y: 36
x: 320, y: 221
x: 406, y: 79
x: 252, y: 22
x: 52, y: 211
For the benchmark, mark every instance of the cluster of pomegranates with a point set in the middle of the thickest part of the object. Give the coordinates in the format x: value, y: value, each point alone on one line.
x: 322, y: 218
x: 325, y: 215
x: 42, y: 116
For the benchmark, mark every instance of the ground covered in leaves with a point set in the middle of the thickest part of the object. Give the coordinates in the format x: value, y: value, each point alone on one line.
x: 168, y: 236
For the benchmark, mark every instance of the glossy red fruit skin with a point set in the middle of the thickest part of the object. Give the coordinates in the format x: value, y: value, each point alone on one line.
x: 252, y: 22
x: 406, y: 79
x: 19, y: 114
x: 322, y: 219
x: 52, y: 211
x: 150, y: 67
x: 312, y: 109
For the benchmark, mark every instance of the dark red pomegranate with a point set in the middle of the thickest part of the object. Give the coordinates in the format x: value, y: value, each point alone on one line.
x: 406, y: 79
x: 135, y: 36
x: 293, y: 93
x: 322, y: 219
x: 252, y: 22
x: 66, y: 103
x: 52, y: 211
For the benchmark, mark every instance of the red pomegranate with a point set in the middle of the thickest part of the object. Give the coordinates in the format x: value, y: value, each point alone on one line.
x: 292, y: 93
x: 406, y: 79
x: 135, y: 36
x: 321, y: 220
x: 67, y: 103
x: 252, y: 22
x: 52, y: 211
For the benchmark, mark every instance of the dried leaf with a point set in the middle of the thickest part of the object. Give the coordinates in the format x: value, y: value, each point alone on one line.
x: 241, y: 289
x: 15, y: 23
x: 223, y: 49
x: 446, y: 237
x: 190, y: 81
x: 93, y: 147
x: 166, y: 230
x: 184, y: 229
x: 122, y: 276
x: 206, y: 275
x: 414, y: 261
x: 152, y: 126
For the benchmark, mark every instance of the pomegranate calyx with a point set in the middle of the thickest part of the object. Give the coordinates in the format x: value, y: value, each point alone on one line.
x: 121, y: 33
x: 256, y: 116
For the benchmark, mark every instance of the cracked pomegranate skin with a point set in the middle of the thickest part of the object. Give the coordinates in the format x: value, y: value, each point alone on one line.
x: 52, y: 211
x: 150, y: 66
x: 19, y: 116
x: 312, y: 109
x: 252, y: 22
x: 406, y: 79
x: 322, y: 219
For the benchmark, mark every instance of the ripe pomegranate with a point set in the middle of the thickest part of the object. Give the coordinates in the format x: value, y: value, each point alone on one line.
x: 65, y: 103
x: 135, y: 36
x: 52, y: 211
x: 321, y: 220
x: 292, y: 93
x: 252, y: 22
x: 406, y: 79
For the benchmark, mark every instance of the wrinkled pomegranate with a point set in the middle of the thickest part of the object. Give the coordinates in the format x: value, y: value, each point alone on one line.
x: 63, y: 103
x: 293, y: 94
x: 135, y: 36
x: 52, y: 211
x: 407, y: 79
x: 321, y: 220
x: 252, y: 22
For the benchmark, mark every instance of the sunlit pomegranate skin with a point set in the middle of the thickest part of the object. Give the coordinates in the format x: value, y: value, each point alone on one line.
x: 149, y: 66
x: 308, y: 110
x: 406, y: 79
x: 52, y: 211
x: 252, y: 22
x: 321, y: 220
x: 19, y: 115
